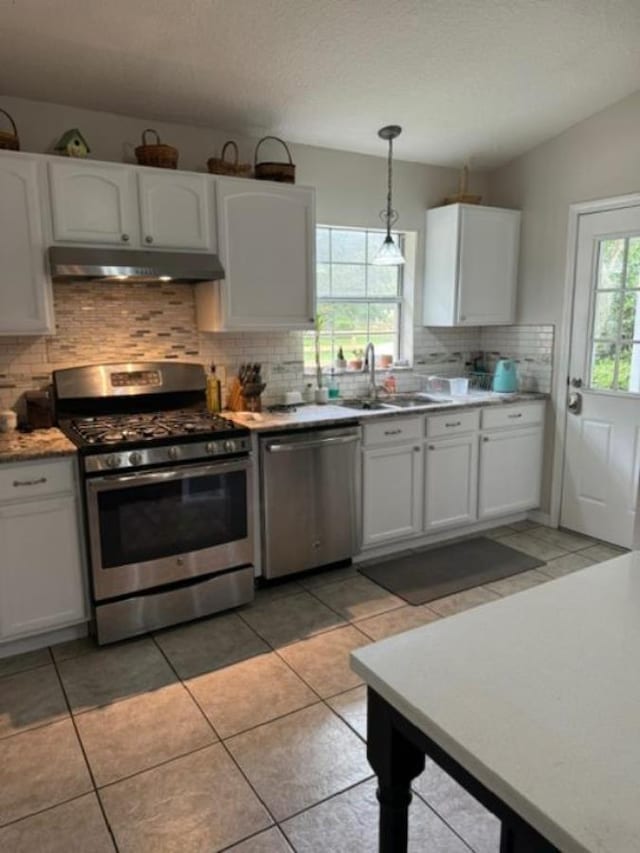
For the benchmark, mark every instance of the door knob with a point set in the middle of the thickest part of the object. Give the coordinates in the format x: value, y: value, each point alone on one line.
x: 575, y: 403
x: 148, y: 239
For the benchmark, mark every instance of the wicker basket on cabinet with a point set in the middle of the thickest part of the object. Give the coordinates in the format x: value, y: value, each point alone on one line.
x: 269, y: 171
x: 9, y: 140
x: 157, y: 154
x: 221, y: 166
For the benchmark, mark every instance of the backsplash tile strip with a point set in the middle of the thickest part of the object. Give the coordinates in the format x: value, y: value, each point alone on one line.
x: 133, y: 321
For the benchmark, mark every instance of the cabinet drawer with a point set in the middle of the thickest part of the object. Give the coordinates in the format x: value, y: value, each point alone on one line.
x: 453, y: 423
x: 513, y: 415
x: 393, y: 431
x: 36, y: 479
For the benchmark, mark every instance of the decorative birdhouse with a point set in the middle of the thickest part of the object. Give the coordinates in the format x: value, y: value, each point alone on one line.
x: 72, y: 144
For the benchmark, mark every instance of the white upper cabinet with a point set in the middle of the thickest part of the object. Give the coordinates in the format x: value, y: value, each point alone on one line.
x: 97, y: 203
x: 176, y: 210
x: 266, y: 242
x: 25, y: 288
x: 93, y: 203
x: 471, y: 260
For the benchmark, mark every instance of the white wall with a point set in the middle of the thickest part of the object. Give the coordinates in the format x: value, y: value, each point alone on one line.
x: 597, y: 158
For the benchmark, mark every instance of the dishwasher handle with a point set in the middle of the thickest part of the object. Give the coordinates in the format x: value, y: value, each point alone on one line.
x: 277, y: 447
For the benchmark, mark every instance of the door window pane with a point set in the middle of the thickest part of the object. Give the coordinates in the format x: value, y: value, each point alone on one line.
x: 616, y: 317
x: 603, y: 365
x: 633, y: 263
x: 606, y: 317
x: 611, y: 263
x: 630, y: 310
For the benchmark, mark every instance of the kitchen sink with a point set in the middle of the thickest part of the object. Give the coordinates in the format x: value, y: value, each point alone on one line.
x: 394, y: 401
x: 412, y: 401
x: 362, y: 405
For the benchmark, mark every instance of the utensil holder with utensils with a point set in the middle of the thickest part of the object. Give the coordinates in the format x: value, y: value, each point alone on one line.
x: 246, y: 389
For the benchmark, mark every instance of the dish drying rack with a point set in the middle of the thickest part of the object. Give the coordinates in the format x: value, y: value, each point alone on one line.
x: 480, y: 380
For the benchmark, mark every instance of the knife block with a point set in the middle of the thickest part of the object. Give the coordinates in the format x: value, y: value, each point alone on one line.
x: 240, y: 401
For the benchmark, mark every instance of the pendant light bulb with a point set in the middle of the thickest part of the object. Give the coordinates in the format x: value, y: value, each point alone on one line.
x: 389, y: 253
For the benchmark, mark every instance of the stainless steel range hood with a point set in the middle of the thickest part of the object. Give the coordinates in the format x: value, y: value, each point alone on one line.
x: 68, y: 263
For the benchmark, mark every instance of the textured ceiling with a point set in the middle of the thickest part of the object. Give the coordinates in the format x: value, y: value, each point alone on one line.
x: 485, y: 79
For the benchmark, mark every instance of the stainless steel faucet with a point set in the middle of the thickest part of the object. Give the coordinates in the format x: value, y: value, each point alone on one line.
x: 369, y: 365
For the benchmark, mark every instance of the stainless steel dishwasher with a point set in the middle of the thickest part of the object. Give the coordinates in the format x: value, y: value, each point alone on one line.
x: 310, y: 490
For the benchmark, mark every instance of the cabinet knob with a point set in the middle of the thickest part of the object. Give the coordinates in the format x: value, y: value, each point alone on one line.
x: 148, y: 239
x: 486, y: 438
x: 432, y: 447
x: 125, y: 238
x: 416, y: 450
x: 312, y: 319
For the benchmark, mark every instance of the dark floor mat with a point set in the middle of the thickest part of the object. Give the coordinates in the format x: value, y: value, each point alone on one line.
x: 426, y: 575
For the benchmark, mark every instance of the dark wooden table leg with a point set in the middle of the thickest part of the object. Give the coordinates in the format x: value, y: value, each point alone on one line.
x: 396, y: 763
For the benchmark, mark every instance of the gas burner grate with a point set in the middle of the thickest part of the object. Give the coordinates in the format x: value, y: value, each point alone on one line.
x: 114, y: 429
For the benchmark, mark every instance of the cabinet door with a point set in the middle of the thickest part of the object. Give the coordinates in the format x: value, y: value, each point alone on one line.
x: 392, y: 493
x: 267, y: 247
x: 25, y: 288
x: 451, y: 478
x: 41, y: 574
x: 487, y: 271
x: 93, y: 203
x: 510, y: 471
x: 176, y: 210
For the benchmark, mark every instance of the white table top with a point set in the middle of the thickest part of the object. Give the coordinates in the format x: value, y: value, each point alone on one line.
x: 537, y: 696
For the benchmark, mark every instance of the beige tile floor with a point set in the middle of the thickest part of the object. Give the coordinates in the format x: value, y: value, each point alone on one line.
x: 243, y: 732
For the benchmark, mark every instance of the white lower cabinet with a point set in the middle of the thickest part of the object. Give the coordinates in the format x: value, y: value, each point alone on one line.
x: 451, y: 476
x: 510, y: 471
x: 42, y: 585
x: 392, y: 478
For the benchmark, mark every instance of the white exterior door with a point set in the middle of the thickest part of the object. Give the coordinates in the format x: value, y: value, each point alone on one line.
x: 392, y: 493
x: 451, y: 479
x: 176, y: 210
x: 602, y: 449
x: 93, y: 203
x: 25, y: 288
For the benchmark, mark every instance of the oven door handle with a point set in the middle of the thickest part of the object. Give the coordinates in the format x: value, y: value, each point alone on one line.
x: 113, y: 481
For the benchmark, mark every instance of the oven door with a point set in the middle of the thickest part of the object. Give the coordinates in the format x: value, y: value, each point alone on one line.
x: 158, y: 527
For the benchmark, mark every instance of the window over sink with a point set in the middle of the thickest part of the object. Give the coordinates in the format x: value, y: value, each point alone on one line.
x: 357, y: 301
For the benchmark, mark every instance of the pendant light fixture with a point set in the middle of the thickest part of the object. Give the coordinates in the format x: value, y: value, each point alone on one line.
x: 389, y: 253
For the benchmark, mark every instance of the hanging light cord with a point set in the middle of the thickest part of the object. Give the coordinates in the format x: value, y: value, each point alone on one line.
x: 389, y: 215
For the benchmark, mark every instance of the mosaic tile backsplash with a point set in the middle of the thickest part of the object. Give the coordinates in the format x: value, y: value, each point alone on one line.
x: 143, y: 321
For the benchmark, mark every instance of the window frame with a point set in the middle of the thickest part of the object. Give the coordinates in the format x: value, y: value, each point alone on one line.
x: 399, y: 300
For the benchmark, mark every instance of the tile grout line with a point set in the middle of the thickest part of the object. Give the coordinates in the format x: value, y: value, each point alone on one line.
x: 48, y: 809
x: 268, y: 722
x: 86, y: 758
x: 222, y: 743
x: 434, y: 811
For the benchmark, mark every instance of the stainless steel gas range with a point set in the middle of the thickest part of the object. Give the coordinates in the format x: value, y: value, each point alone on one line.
x: 167, y: 494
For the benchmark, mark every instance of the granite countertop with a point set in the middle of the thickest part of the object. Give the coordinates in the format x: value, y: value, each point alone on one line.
x: 18, y: 446
x: 333, y: 413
